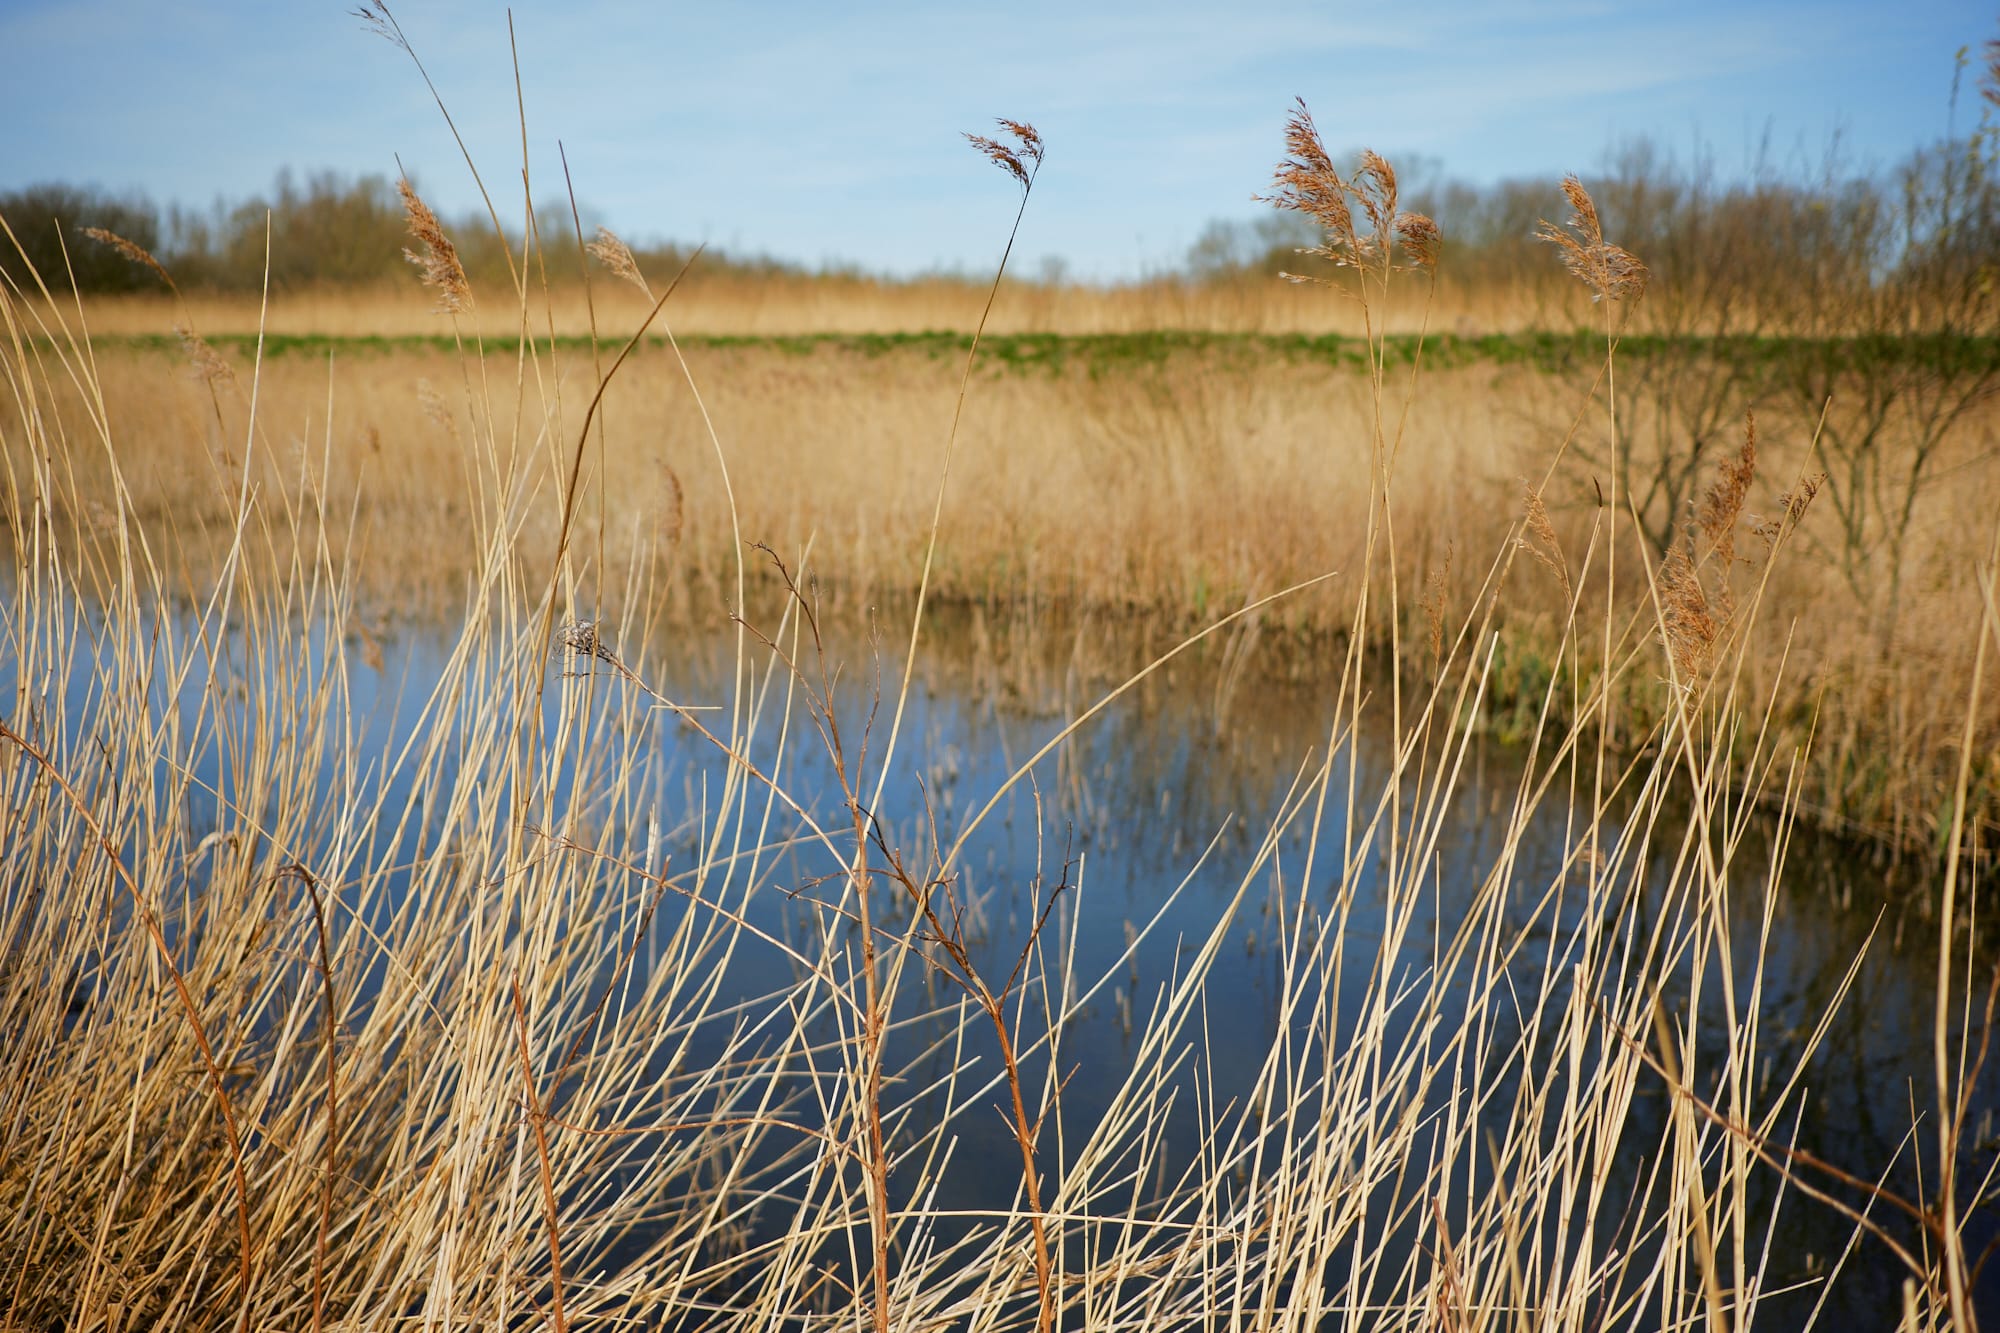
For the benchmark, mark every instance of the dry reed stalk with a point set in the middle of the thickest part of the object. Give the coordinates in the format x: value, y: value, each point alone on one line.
x: 539, y: 1126
x: 948, y: 932
x: 329, y: 1032
x: 239, y: 1179
x: 1022, y: 161
x: 1697, y: 1195
x: 1949, y: 1073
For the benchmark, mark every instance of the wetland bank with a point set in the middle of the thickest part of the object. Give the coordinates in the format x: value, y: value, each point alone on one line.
x: 913, y: 832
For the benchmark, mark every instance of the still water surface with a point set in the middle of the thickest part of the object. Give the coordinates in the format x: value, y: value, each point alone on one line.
x: 1151, y: 817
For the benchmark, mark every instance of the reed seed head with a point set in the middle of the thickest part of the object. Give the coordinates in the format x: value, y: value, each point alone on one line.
x: 1792, y: 506
x: 1031, y: 141
x: 1611, y: 272
x: 1421, y: 239
x: 379, y: 21
x: 1541, y: 541
x: 133, y: 251
x: 1374, y: 185
x: 1435, y: 585
x: 674, y: 511
x: 435, y: 408
x: 1687, y: 626
x: 209, y: 367
x: 442, y: 271
x: 1022, y: 159
x: 1308, y: 183
x: 1722, y: 504
x: 615, y: 255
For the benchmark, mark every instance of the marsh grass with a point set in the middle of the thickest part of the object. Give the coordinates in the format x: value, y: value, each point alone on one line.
x: 303, y: 1033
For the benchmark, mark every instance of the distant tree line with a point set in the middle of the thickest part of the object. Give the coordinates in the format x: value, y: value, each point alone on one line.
x: 1767, y: 250
x: 1754, y: 253
x: 323, y: 229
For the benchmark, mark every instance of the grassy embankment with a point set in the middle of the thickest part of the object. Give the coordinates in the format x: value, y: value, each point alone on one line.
x: 1169, y: 473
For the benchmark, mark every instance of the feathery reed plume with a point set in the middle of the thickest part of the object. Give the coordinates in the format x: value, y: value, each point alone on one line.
x: 435, y: 408
x: 1421, y: 239
x: 1792, y: 507
x: 442, y: 271
x: 615, y: 255
x: 1612, y: 272
x: 675, y: 520
x: 1687, y: 626
x: 1722, y: 504
x: 1989, y: 82
x: 209, y: 366
x: 1692, y: 620
x: 1434, y: 603
x: 1308, y: 183
x: 1031, y: 140
x: 133, y: 251
x: 1374, y: 187
x: 1020, y: 162
x: 1541, y: 541
x: 376, y: 17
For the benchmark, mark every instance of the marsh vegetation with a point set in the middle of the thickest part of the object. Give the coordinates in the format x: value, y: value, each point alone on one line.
x: 596, y: 821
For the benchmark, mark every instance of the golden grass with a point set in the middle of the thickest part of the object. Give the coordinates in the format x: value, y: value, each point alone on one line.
x: 785, y: 304
x: 1177, y: 489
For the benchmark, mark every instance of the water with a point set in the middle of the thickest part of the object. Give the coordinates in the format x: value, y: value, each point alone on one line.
x: 1153, y: 822
x: 1153, y: 816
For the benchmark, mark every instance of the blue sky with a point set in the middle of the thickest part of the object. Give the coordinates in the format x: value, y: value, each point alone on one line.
x: 820, y: 132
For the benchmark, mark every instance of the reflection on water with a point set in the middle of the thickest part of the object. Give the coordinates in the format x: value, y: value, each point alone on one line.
x: 1153, y: 821
x: 1151, y: 817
